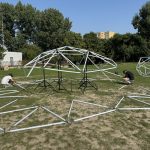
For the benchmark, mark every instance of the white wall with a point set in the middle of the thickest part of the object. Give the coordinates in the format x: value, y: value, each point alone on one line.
x: 11, y: 59
x: 17, y: 56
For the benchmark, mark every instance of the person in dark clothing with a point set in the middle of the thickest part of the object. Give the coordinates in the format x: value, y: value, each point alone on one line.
x: 128, y: 77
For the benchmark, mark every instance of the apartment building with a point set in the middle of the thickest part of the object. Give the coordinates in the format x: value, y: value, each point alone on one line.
x: 105, y: 35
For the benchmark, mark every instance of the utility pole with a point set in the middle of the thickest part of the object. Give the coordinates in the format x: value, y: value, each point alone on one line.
x: 2, y: 35
x: 2, y: 32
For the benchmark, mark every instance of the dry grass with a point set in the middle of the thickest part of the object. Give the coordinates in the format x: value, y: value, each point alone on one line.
x: 112, y: 131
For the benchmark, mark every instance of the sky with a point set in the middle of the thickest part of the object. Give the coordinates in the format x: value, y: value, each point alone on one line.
x: 93, y: 15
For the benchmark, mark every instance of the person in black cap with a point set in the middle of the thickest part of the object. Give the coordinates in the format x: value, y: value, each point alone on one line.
x: 128, y: 77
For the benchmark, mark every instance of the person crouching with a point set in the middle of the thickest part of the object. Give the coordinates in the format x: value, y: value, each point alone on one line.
x: 7, y: 80
x: 128, y: 77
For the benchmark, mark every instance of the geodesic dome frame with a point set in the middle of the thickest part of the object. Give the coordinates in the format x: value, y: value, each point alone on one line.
x: 69, y: 119
x: 143, y: 66
x: 76, y: 58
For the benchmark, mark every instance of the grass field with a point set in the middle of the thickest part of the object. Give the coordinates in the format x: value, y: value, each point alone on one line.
x: 117, y: 130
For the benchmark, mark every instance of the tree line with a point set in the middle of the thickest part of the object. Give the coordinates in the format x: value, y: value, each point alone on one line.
x: 32, y: 31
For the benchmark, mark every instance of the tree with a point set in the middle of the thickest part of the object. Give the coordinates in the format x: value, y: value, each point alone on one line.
x: 92, y: 42
x: 7, y: 16
x: 141, y: 21
x: 140, y: 47
x: 9, y: 41
x: 30, y: 51
x: 1, y: 52
x: 128, y: 47
x: 26, y: 21
x: 24, y: 25
x: 73, y: 39
x: 52, y: 29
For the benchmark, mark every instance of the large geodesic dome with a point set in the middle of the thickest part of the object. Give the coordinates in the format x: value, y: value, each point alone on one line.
x: 73, y: 60
x: 143, y: 66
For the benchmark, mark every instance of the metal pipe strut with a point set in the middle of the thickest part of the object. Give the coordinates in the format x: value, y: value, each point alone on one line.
x: 25, y: 117
x: 134, y: 108
x: 119, y: 102
x: 11, y: 111
x: 38, y: 126
x: 90, y: 103
x: 101, y: 113
x: 53, y: 113
x: 8, y: 104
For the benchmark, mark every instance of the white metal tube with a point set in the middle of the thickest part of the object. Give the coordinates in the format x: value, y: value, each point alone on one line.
x: 139, y: 96
x: 31, y: 69
x: 32, y: 61
x: 134, y: 108
x: 12, y: 96
x: 136, y: 94
x: 70, y: 109
x: 25, y: 117
x: 113, y: 73
x: 20, y: 86
x: 122, y: 87
x: 90, y: 103
x: 8, y: 92
x: 140, y: 101
x: 79, y: 71
x: 100, y: 70
x: 53, y: 113
x: 33, y: 66
x: 70, y: 62
x: 105, y: 59
x: 106, y: 76
x: 119, y: 102
x: 93, y: 63
x: 85, y: 63
x: 11, y: 111
x: 49, y: 59
x: 8, y: 104
x: 1, y: 129
x: 102, y: 113
x: 62, y: 70
x: 38, y: 126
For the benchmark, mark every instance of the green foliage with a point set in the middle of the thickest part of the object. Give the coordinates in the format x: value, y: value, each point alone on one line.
x: 24, y: 24
x: 9, y: 40
x: 92, y: 42
x: 30, y: 51
x: 141, y: 21
x: 25, y: 21
x: 1, y: 52
x: 8, y: 16
x: 20, y: 41
x: 128, y: 47
x: 52, y: 29
x: 31, y: 31
x: 73, y: 39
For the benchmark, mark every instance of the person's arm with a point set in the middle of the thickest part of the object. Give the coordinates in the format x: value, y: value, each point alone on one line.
x: 124, y: 76
x: 11, y: 81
